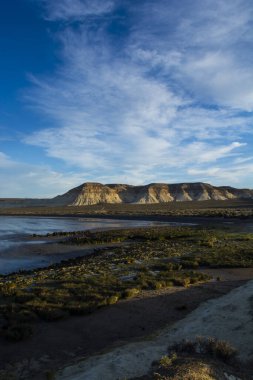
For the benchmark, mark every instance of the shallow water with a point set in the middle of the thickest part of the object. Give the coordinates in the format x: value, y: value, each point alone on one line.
x: 15, y: 231
x: 13, y: 227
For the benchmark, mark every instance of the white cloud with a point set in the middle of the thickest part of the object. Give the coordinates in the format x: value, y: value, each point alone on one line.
x: 235, y: 175
x: 107, y: 116
x: 5, y: 161
x: 229, y: 84
x: 206, y: 47
x: 117, y: 116
x: 171, y: 98
x: 20, y: 179
x: 76, y: 9
x: 204, y: 153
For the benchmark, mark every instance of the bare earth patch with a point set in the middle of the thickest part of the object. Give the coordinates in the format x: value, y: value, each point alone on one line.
x: 54, y: 345
x: 228, y: 318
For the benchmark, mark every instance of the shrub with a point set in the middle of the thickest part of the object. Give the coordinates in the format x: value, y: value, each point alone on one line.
x: 186, y: 282
x: 169, y: 283
x: 157, y: 285
x: 186, y: 346
x: 167, y: 360
x: 80, y: 308
x: 8, y: 289
x: 129, y: 293
x: 112, y: 300
x: 220, y: 349
x: 181, y: 282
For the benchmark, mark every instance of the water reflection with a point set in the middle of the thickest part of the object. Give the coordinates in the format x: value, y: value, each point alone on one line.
x: 15, y: 232
x: 10, y: 225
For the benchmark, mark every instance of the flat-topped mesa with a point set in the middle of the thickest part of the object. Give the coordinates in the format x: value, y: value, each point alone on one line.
x: 91, y: 193
x: 88, y: 193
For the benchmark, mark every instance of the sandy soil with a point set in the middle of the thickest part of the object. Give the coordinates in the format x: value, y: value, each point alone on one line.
x: 54, y: 345
x: 229, y: 317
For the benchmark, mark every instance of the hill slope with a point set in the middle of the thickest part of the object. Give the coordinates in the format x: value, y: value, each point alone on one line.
x: 94, y: 193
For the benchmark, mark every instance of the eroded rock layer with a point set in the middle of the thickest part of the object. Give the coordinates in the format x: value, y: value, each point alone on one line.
x: 94, y: 193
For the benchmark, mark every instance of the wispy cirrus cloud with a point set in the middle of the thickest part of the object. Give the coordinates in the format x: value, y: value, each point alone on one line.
x: 238, y: 176
x: 30, y: 180
x: 5, y: 161
x: 206, y: 47
x: 171, y: 91
x: 73, y: 10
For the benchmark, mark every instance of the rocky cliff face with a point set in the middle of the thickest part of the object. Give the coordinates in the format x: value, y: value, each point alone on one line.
x: 93, y: 193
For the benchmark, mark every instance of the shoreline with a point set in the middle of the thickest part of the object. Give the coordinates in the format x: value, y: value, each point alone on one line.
x: 193, y: 219
x: 26, y: 246
x: 129, y: 216
x: 33, y: 247
x: 56, y: 254
x: 189, y: 219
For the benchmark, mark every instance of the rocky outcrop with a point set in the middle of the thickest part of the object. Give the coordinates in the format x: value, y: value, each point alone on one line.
x: 91, y: 193
x: 94, y: 193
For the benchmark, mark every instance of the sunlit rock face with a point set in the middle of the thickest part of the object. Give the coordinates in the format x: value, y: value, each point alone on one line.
x: 94, y: 193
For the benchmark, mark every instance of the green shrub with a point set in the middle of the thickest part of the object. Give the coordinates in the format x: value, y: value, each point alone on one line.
x: 112, y: 300
x: 81, y: 308
x: 167, y: 360
x: 169, y: 284
x: 129, y: 293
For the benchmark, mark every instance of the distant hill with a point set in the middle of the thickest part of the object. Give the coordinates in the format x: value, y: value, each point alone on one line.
x: 91, y: 193
x: 94, y: 193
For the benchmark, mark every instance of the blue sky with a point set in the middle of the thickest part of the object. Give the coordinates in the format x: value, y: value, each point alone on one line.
x: 126, y: 91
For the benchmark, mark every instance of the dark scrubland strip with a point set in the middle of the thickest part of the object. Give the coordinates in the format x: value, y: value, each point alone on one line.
x: 227, y: 208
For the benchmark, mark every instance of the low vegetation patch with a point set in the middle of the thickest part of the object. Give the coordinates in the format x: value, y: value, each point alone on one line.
x: 147, y: 259
x: 201, y: 359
